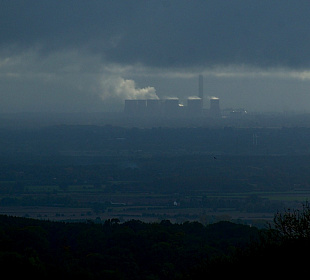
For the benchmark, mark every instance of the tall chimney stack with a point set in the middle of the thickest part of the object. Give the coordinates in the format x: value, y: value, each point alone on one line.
x: 200, y: 84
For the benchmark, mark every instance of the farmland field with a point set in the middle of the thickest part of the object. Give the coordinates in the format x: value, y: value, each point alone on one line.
x: 204, y: 174
x: 88, y: 202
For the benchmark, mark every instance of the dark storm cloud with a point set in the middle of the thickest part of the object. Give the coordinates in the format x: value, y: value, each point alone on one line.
x: 164, y: 33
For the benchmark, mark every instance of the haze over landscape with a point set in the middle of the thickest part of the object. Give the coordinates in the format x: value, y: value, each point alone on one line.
x: 74, y: 56
x: 160, y: 139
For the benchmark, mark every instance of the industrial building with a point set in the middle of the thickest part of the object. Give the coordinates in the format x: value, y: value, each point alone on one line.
x: 171, y: 108
x: 135, y: 107
x: 164, y: 108
x: 153, y: 108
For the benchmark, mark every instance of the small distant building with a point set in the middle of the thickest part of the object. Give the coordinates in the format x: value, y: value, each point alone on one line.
x: 237, y: 113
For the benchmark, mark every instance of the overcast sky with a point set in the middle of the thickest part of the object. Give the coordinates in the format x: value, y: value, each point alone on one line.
x: 78, y: 55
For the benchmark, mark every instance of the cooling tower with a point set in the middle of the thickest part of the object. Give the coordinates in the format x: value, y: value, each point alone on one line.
x: 215, y: 107
x: 154, y: 107
x: 171, y: 107
x: 135, y: 107
x: 130, y: 107
x: 194, y: 107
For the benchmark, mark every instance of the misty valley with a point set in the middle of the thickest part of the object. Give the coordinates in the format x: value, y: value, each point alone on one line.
x: 154, y: 140
x: 118, y: 202
x: 76, y: 172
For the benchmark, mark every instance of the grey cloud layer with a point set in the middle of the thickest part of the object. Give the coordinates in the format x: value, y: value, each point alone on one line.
x: 175, y: 33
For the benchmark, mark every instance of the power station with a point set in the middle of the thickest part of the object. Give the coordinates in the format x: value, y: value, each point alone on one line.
x: 170, y: 108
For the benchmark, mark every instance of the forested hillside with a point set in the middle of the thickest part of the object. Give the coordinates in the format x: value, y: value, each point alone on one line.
x: 138, y: 250
x: 131, y: 250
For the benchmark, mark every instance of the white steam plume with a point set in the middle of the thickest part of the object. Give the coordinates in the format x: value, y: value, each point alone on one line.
x: 119, y: 89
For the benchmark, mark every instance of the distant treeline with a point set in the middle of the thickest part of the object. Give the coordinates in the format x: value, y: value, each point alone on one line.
x: 170, y: 174
x: 96, y: 143
x: 165, y: 159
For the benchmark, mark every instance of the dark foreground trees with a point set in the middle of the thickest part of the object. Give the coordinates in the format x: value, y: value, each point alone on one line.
x: 138, y: 250
x: 282, y: 251
x: 131, y: 250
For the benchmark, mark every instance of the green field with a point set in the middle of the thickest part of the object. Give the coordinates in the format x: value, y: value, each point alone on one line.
x: 78, y: 202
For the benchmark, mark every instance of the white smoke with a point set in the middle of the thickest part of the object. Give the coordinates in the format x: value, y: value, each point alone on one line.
x: 119, y: 89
